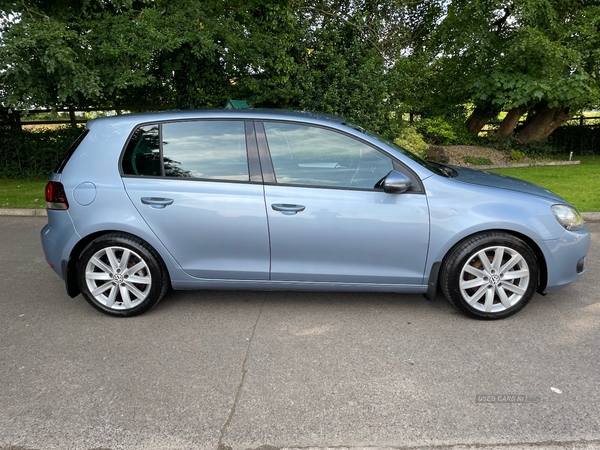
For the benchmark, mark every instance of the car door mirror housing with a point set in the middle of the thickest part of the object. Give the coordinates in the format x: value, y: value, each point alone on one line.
x: 396, y: 183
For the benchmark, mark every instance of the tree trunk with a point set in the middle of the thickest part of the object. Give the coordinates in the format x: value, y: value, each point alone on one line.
x: 479, y: 117
x: 72, y: 116
x: 533, y: 112
x: 543, y: 124
x: 509, y: 123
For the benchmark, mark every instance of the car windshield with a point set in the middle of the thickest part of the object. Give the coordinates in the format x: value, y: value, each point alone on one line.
x: 435, y: 168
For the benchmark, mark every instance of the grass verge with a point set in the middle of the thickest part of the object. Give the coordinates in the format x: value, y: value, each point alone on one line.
x: 28, y: 193
x: 578, y: 184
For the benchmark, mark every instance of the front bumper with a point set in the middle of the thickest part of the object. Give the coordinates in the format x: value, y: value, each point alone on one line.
x: 565, y: 258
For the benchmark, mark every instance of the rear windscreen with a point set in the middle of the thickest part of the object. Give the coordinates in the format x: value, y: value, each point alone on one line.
x: 72, y: 148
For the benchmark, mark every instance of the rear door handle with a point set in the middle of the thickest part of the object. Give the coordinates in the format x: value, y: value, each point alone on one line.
x: 287, y: 209
x: 157, y: 202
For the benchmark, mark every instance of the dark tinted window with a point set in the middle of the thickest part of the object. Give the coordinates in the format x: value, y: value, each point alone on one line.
x: 314, y: 156
x: 212, y: 149
x: 142, y: 155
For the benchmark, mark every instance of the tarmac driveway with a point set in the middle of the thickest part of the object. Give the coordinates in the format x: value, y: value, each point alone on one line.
x: 210, y: 370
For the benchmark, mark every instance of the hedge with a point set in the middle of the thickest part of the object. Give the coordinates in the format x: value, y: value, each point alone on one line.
x: 34, y: 153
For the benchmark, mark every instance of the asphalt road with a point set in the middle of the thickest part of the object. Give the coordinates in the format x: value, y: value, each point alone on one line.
x: 211, y: 370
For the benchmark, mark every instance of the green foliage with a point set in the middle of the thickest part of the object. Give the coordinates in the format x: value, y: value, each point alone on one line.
x: 437, y: 131
x: 516, y: 150
x: 516, y: 155
x: 502, y: 55
x: 537, y: 150
x: 444, y: 131
x: 477, y: 160
x: 31, y: 154
x: 325, y: 56
x: 367, y: 61
x: 412, y: 141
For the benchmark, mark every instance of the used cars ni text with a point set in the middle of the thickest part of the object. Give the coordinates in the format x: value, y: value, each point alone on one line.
x: 281, y: 200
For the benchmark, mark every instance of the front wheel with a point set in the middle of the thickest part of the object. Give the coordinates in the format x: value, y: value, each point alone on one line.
x: 490, y: 276
x: 121, y: 275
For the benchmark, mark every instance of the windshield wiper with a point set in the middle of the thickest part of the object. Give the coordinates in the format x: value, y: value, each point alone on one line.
x: 448, y: 171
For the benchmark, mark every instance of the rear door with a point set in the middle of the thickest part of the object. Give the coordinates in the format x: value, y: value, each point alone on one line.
x: 194, y: 185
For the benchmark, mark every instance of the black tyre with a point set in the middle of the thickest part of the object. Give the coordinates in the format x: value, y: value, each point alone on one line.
x: 121, y: 275
x: 490, y: 276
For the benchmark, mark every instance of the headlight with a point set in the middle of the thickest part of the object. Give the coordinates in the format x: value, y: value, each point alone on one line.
x: 568, y: 217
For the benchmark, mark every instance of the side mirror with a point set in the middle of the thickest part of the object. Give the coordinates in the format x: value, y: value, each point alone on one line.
x: 395, y: 183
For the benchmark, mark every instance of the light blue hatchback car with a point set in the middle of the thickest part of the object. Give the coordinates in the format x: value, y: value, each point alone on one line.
x: 281, y: 200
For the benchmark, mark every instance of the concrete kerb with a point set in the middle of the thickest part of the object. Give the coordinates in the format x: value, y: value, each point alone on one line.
x: 529, y: 164
x: 587, y: 216
x: 22, y: 212
x: 591, y: 216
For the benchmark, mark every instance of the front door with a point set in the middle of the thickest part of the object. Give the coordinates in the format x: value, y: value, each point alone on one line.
x: 327, y: 220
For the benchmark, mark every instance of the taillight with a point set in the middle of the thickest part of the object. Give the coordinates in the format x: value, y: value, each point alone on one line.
x: 55, y: 196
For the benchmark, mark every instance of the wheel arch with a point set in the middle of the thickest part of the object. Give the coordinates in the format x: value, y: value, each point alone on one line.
x: 435, y: 272
x: 70, y: 266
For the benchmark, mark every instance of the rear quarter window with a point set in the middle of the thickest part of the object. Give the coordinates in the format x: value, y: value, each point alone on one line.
x: 63, y: 162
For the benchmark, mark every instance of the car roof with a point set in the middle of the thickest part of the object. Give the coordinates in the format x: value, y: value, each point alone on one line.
x: 250, y: 113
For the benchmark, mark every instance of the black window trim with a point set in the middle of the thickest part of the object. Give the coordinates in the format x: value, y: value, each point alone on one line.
x: 269, y: 172
x: 160, y: 150
x: 264, y: 153
x: 254, y: 168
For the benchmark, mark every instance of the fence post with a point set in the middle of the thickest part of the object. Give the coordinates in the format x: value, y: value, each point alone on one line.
x: 16, y: 120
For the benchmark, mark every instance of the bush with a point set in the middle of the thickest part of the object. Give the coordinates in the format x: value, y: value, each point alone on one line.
x: 443, y: 131
x: 412, y: 141
x: 516, y: 155
x: 478, y: 161
x: 437, y: 131
x: 516, y: 150
x: 34, y: 153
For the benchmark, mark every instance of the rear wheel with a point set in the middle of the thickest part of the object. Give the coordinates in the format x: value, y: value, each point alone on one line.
x: 490, y: 275
x: 121, y: 275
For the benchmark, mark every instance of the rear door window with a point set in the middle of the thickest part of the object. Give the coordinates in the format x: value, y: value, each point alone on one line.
x: 213, y: 150
x: 209, y: 149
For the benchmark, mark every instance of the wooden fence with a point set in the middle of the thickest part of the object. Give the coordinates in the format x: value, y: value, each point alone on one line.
x: 16, y: 119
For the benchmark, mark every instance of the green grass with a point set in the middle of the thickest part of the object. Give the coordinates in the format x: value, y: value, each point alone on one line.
x: 22, y: 193
x: 578, y: 184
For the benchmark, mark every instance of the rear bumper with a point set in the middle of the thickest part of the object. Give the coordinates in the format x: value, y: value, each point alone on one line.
x: 58, y: 239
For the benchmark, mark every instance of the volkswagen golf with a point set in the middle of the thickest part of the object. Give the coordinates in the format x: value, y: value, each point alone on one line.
x: 282, y: 200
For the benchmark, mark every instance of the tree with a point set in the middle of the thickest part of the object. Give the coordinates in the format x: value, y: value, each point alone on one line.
x: 326, y: 55
x: 539, y: 56
x: 105, y: 53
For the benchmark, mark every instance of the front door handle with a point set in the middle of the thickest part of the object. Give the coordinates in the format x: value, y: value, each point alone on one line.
x: 157, y: 202
x: 287, y: 209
